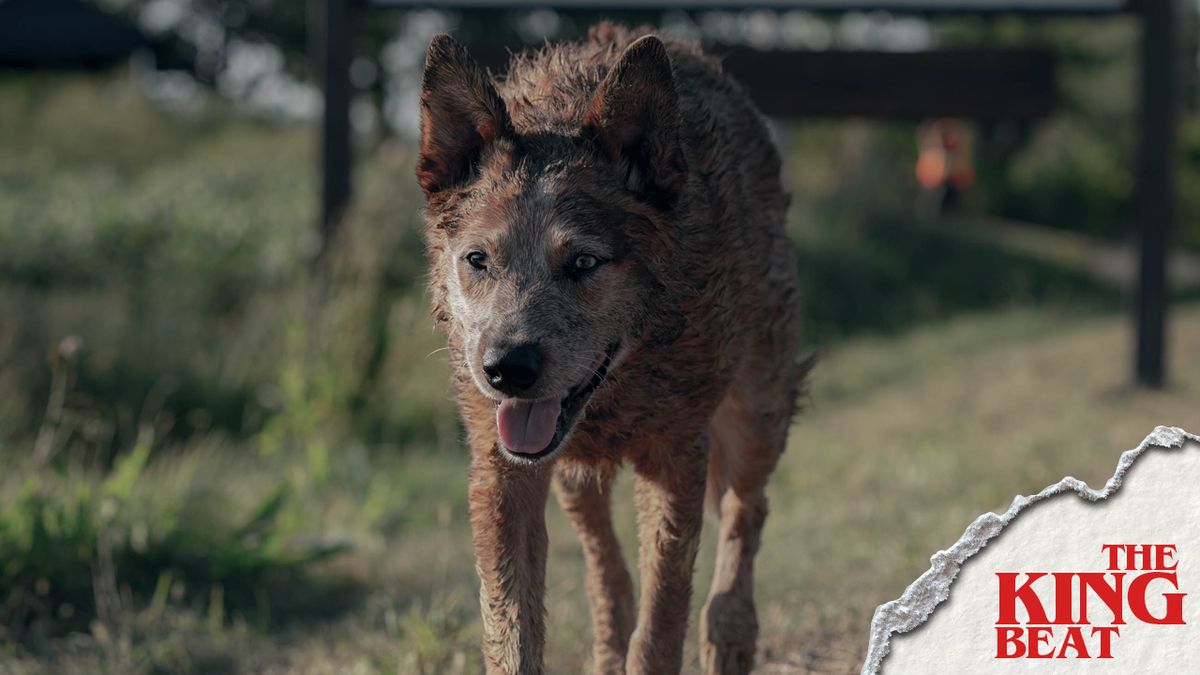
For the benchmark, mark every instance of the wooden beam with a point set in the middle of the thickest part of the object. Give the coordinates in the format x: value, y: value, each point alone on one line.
x: 1154, y: 188
x: 1039, y: 7
x: 332, y: 21
x: 980, y: 83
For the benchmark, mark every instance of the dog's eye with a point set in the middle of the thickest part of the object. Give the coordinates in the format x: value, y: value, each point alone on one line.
x: 477, y: 259
x: 585, y: 262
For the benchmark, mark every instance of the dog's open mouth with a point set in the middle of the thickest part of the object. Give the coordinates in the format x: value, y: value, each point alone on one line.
x: 532, y: 430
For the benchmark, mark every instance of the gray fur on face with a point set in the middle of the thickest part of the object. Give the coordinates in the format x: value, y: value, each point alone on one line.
x: 527, y: 294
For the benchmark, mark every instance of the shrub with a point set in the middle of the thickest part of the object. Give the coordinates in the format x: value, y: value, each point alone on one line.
x: 79, y: 544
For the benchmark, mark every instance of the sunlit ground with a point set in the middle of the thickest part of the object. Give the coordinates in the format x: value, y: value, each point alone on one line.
x: 877, y: 477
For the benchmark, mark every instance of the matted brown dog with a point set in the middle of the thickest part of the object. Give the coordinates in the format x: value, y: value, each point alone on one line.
x: 608, y: 260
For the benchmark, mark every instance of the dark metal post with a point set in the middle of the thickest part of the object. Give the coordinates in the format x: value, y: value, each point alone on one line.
x: 332, y: 26
x: 1155, y: 186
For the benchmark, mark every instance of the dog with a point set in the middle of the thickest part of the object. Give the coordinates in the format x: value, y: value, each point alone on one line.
x: 605, y: 234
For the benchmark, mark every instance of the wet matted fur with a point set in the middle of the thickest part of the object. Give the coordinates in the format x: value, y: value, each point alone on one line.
x: 615, y: 206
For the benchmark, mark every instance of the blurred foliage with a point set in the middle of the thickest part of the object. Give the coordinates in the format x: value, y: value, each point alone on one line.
x: 867, y: 265
x: 198, y: 32
x: 79, y: 545
x: 1187, y: 184
x: 184, y: 266
x: 1075, y: 170
x: 164, y: 266
x: 179, y: 251
x: 162, y: 269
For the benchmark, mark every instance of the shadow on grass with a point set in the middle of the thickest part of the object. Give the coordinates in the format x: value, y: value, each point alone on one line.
x: 77, y: 556
x: 893, y: 275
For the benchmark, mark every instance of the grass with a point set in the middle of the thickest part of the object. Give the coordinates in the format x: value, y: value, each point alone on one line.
x: 866, y: 493
x: 178, y: 251
x: 997, y: 420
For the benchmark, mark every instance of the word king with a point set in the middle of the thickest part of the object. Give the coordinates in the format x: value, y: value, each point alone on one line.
x: 1140, y: 583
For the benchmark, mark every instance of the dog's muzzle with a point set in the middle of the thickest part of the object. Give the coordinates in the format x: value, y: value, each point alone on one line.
x: 532, y: 430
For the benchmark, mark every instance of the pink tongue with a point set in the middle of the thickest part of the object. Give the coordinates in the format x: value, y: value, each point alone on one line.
x: 527, y: 427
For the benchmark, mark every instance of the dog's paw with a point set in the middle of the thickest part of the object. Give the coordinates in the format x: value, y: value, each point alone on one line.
x: 728, y: 634
x: 720, y: 658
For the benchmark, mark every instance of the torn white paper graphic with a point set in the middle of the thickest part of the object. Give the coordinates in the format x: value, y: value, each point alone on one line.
x: 1085, y: 580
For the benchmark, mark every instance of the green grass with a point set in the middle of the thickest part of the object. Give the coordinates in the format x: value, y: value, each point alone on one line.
x: 185, y: 269
x: 866, y: 493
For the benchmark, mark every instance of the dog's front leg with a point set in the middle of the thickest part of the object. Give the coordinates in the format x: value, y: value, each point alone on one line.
x: 669, y: 492
x: 508, y: 517
x: 587, y: 503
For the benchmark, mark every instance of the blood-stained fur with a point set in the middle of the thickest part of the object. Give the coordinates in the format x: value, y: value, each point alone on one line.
x: 608, y: 261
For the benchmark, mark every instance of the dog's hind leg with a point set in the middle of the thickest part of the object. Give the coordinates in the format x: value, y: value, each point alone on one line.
x: 748, y: 434
x: 587, y: 503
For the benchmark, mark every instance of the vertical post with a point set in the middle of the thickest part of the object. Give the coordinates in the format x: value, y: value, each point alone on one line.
x: 332, y: 30
x: 1155, y: 186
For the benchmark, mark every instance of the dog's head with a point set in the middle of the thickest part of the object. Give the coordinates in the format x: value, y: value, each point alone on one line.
x: 542, y: 241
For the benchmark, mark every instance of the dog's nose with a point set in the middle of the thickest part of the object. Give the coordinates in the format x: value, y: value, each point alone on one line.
x: 512, y: 370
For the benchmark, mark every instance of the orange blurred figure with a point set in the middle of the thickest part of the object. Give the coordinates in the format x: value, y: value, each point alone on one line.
x: 944, y: 167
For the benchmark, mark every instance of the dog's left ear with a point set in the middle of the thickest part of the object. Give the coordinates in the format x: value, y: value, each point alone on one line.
x: 633, y: 119
x: 461, y: 114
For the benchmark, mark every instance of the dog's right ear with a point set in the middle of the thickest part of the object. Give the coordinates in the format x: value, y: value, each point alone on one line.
x: 461, y: 113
